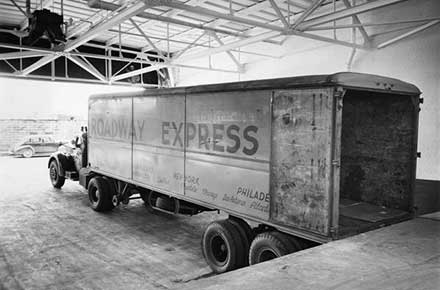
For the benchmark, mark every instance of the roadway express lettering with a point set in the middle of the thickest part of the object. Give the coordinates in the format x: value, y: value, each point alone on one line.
x: 209, y: 136
x: 117, y: 128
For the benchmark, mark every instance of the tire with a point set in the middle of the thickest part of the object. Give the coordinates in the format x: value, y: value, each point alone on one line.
x: 221, y: 246
x: 27, y: 153
x: 245, y: 226
x: 55, y: 178
x: 112, y: 192
x: 100, y: 195
x: 269, y: 245
x: 246, y: 237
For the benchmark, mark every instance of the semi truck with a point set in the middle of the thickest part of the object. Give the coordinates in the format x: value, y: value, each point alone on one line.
x: 294, y: 162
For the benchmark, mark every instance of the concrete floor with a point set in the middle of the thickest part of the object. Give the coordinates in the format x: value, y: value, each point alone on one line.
x: 404, y: 256
x: 51, y: 239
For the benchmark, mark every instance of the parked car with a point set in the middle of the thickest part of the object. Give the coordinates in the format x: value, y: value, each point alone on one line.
x: 36, y: 145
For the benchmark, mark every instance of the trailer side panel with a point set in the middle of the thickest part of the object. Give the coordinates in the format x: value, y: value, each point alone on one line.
x: 228, y: 149
x: 110, y: 135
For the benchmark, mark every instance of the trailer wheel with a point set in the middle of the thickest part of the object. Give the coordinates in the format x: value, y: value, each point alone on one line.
x: 270, y: 245
x: 246, y: 237
x: 100, y: 194
x: 55, y: 178
x: 221, y: 246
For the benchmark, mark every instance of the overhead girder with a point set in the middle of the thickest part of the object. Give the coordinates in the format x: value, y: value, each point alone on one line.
x: 303, y: 22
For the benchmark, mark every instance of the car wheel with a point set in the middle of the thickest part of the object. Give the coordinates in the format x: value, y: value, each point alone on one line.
x: 54, y: 175
x: 27, y: 153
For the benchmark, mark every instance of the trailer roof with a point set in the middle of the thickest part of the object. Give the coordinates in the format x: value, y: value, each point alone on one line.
x: 344, y: 79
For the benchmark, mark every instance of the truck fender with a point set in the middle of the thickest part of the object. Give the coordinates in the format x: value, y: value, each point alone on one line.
x: 64, y: 162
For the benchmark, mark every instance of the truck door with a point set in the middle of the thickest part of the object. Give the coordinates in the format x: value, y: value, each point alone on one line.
x: 300, y: 162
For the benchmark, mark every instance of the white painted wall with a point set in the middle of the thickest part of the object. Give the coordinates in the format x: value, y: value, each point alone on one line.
x: 415, y: 60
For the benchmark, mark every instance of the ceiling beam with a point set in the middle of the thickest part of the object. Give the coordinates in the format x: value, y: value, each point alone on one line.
x: 164, y: 65
x: 228, y: 46
x: 407, y: 34
x: 138, y: 72
x: 92, y: 33
x: 302, y: 4
x: 279, y: 13
x: 215, y: 14
x: 90, y: 69
x: 36, y: 65
x: 146, y: 38
x: 357, y: 21
x: 21, y: 54
x: 228, y: 52
x: 315, y: 5
x: 194, y: 43
x: 365, y: 24
x: 19, y: 8
x: 368, y: 6
x: 168, y: 19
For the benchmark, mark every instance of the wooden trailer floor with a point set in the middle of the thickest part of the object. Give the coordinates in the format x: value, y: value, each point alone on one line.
x: 401, y: 256
x: 51, y: 239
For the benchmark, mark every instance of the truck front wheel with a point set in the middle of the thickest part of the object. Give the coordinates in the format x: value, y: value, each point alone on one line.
x: 270, y: 245
x: 222, y: 247
x: 55, y: 178
x: 100, y: 195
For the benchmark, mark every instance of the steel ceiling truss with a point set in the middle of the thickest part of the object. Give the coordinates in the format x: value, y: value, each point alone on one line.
x: 168, y: 28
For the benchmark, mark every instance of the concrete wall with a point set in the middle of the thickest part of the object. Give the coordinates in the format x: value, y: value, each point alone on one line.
x: 415, y: 59
x: 14, y: 130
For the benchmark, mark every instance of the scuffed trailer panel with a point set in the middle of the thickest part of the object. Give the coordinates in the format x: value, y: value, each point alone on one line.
x: 228, y: 150
x: 111, y: 134
x: 158, y: 155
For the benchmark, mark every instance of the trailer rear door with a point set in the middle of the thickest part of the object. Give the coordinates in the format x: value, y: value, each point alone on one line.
x: 301, y: 159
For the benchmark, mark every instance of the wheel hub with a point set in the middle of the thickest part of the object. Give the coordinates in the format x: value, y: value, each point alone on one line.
x: 53, y: 173
x: 219, y: 249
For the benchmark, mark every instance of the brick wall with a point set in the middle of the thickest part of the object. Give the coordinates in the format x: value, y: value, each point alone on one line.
x: 14, y: 130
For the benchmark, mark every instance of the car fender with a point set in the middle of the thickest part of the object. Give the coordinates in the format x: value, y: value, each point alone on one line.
x: 23, y: 147
x: 64, y: 162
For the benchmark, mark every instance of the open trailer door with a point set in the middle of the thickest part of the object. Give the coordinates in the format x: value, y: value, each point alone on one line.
x: 301, y: 162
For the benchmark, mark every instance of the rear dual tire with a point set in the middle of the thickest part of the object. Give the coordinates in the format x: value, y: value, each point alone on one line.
x: 230, y: 244
x: 270, y: 245
x: 222, y: 246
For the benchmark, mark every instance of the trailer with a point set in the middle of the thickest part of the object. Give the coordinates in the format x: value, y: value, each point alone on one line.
x: 292, y: 161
